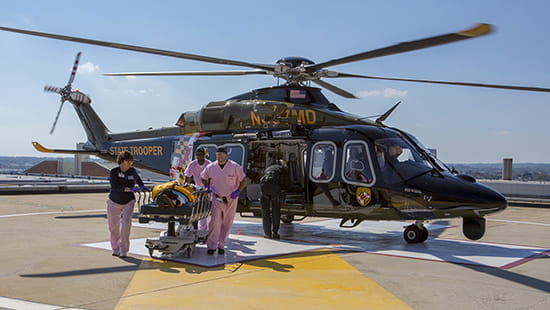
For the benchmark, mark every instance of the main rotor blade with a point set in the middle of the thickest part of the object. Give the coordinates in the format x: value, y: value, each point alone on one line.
x: 73, y: 72
x: 478, y: 30
x: 57, y: 116
x: 335, y: 89
x: 189, y: 73
x: 526, y: 88
x: 142, y: 49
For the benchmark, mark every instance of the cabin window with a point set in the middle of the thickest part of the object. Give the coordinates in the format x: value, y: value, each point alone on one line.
x: 235, y: 152
x: 323, y: 162
x: 357, y: 165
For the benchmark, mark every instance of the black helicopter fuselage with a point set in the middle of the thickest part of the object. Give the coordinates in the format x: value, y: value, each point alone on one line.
x: 339, y: 165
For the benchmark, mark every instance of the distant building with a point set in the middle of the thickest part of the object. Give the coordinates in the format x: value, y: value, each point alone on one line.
x: 60, y: 167
x: 87, y: 168
x: 507, y: 169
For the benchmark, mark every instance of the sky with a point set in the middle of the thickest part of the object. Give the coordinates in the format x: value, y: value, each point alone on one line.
x: 464, y: 124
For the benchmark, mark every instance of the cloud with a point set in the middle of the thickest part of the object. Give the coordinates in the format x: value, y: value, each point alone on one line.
x: 88, y: 67
x: 135, y: 92
x: 503, y: 132
x: 387, y: 92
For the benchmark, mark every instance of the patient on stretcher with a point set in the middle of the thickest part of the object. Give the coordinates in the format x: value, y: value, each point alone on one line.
x: 171, y: 199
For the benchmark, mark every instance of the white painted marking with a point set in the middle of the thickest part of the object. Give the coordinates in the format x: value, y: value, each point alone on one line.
x: 54, y: 212
x: 18, y: 304
x: 519, y: 222
x: 239, y: 248
x: 377, y: 237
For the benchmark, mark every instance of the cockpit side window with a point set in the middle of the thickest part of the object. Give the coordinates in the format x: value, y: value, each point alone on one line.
x: 400, y: 161
x: 323, y: 162
x: 357, y: 165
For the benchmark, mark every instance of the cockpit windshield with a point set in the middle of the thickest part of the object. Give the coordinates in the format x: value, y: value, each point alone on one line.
x: 399, y: 160
x: 441, y: 165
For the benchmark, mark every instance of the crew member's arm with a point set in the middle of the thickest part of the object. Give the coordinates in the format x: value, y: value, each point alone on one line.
x: 240, y: 175
x: 138, y: 179
x: 242, y: 185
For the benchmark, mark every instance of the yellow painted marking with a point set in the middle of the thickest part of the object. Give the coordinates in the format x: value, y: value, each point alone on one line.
x: 312, y: 280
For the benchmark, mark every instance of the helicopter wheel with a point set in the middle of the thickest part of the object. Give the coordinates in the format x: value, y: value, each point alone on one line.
x: 425, y: 234
x: 287, y: 219
x: 415, y: 234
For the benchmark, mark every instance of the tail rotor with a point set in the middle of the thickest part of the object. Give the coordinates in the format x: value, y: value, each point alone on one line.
x: 66, y: 92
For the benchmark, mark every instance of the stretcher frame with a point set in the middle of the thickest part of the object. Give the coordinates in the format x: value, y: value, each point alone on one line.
x: 180, y: 239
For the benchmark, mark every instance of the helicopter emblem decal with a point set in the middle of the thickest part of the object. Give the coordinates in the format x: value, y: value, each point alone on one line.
x: 363, y: 196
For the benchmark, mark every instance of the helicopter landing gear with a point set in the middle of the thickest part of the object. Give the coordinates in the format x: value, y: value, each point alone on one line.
x: 416, y: 233
x: 473, y: 227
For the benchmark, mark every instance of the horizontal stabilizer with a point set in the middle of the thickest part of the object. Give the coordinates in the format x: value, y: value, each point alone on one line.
x: 39, y: 147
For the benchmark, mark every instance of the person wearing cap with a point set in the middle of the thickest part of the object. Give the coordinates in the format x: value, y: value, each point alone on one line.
x: 225, y: 179
x: 194, y: 170
x: 120, y: 205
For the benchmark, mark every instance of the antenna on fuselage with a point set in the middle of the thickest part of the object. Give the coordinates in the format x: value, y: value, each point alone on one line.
x: 387, y: 114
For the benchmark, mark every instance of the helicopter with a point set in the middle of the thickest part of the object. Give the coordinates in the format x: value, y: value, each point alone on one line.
x: 339, y: 165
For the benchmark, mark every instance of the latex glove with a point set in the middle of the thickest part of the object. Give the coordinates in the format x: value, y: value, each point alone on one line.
x: 134, y: 189
x: 235, y: 194
x: 144, y: 189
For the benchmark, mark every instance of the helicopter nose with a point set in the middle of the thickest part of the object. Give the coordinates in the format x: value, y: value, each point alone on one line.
x: 461, y: 192
x: 491, y: 199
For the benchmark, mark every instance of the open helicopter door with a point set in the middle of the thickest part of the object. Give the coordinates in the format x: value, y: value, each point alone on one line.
x: 262, y: 154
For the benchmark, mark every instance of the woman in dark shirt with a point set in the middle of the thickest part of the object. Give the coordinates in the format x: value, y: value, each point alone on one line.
x: 120, y: 205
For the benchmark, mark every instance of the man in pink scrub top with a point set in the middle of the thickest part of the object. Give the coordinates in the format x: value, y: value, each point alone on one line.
x: 226, y: 179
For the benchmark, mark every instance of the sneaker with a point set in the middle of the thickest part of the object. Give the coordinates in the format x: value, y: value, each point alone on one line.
x: 221, y: 251
x: 267, y: 236
x: 122, y: 254
x: 210, y: 251
x: 276, y: 236
x: 115, y: 253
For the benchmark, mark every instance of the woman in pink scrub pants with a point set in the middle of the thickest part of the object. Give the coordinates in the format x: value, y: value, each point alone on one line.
x: 120, y: 205
x: 226, y: 179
